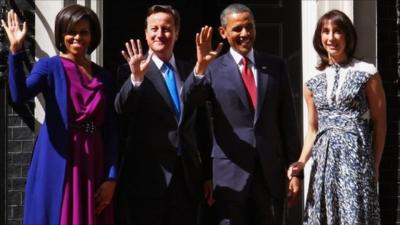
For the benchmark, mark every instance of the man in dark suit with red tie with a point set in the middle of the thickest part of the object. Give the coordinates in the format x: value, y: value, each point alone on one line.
x: 255, y: 133
x: 161, y: 170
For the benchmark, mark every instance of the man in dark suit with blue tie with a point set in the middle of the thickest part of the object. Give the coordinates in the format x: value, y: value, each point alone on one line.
x: 255, y: 136
x: 161, y: 174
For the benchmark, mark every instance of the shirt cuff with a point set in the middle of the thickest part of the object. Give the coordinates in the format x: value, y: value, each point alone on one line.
x: 136, y: 83
x: 198, y: 76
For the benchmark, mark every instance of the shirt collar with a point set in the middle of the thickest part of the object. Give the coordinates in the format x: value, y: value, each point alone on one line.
x: 237, y: 56
x: 159, y: 63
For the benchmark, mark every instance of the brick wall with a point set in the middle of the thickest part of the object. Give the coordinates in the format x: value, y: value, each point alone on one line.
x: 20, y: 135
x: 388, y: 66
x: 19, y: 148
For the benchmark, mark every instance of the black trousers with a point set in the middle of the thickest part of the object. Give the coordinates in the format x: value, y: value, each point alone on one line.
x: 176, y: 207
x: 259, y: 209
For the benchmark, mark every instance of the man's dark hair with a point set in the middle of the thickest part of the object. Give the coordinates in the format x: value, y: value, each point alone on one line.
x: 234, y: 8
x: 165, y: 9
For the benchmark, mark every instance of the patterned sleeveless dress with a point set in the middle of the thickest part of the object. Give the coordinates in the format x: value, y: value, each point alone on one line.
x: 342, y: 188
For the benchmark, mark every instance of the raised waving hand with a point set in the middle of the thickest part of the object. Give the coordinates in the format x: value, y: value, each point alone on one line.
x: 16, y: 35
x: 205, y: 53
x: 138, y: 63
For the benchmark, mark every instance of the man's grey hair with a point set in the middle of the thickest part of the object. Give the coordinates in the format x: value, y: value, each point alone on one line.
x: 234, y: 8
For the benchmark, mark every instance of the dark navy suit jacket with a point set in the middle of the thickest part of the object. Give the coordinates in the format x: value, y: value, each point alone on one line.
x: 240, y: 134
x: 153, y: 136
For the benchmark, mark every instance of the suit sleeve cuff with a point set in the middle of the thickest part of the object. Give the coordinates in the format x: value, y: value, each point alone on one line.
x: 198, y: 76
x: 17, y: 56
x: 136, y: 83
x: 112, y: 173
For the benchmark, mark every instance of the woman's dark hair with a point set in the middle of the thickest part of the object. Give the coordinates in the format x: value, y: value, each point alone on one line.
x: 345, y: 25
x: 66, y: 20
x: 165, y: 9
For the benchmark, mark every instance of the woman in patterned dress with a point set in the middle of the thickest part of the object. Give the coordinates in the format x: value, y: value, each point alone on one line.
x: 71, y: 178
x: 343, y: 100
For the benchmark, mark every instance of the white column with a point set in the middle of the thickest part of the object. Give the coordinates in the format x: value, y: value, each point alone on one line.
x: 45, y: 14
x: 363, y: 13
x: 309, y: 19
x: 97, y: 7
x: 97, y: 55
x: 345, y: 6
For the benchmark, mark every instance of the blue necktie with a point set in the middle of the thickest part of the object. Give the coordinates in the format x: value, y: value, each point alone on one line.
x: 173, y: 90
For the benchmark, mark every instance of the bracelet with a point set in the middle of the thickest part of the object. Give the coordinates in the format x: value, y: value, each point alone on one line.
x: 299, y: 175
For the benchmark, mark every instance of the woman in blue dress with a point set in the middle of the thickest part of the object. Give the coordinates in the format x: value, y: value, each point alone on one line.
x: 343, y: 99
x: 72, y: 176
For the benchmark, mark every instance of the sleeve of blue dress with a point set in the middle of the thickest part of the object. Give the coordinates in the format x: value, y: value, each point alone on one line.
x: 24, y: 88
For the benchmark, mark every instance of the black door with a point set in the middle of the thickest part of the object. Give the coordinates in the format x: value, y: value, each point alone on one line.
x: 278, y: 24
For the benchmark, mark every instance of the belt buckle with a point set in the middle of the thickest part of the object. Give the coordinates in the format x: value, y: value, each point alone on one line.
x: 89, y: 127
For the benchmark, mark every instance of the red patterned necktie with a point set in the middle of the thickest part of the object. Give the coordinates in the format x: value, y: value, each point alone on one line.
x: 248, y: 80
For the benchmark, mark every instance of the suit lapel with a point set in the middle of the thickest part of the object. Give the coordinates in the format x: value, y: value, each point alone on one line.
x: 262, y: 82
x: 182, y: 70
x: 156, y: 77
x: 233, y: 74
